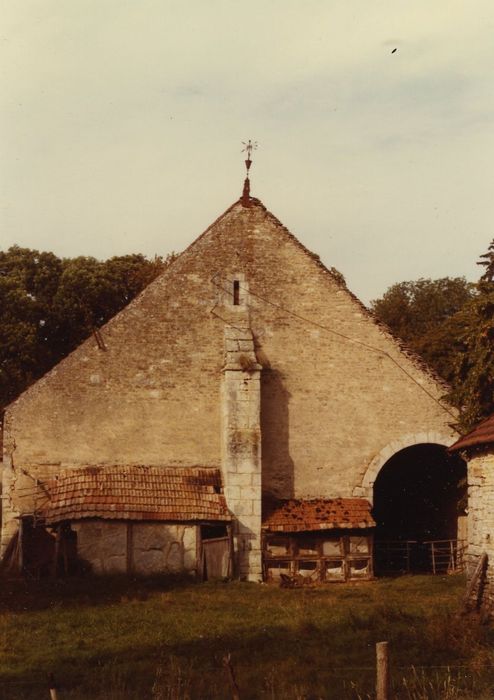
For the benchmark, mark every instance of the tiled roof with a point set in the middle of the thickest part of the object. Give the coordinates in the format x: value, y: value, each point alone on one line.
x: 319, y: 514
x: 137, y: 493
x: 483, y: 434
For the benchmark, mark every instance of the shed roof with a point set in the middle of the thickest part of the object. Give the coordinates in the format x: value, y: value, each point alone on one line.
x: 137, y: 493
x: 319, y: 514
x: 482, y: 434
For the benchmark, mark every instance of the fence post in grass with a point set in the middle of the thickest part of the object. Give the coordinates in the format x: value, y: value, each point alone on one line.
x: 382, y: 667
x: 53, y: 687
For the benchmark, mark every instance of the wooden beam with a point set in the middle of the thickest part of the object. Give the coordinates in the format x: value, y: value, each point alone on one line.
x: 475, y: 581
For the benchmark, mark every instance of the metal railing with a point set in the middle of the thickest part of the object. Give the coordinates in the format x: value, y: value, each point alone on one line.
x: 430, y: 556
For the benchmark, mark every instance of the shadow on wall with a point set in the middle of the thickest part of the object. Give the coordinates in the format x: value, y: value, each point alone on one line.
x: 277, y: 465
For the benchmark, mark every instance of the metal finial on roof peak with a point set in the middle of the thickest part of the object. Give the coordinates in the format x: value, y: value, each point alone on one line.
x: 248, y: 148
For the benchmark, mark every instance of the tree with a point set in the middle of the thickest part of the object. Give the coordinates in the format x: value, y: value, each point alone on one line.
x: 426, y: 314
x: 450, y: 323
x: 473, y: 375
x: 28, y: 282
x: 49, y: 305
x: 487, y: 260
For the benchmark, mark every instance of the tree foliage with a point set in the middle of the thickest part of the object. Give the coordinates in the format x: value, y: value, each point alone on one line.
x: 473, y: 376
x: 426, y: 314
x: 49, y: 305
x: 450, y: 323
x: 487, y: 260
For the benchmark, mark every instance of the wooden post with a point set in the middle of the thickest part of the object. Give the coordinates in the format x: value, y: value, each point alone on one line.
x: 433, y: 558
x: 56, y: 553
x: 231, y: 552
x: 65, y: 554
x: 53, y: 687
x: 382, y: 668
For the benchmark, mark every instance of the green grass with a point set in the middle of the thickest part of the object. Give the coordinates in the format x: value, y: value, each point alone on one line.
x: 114, y: 639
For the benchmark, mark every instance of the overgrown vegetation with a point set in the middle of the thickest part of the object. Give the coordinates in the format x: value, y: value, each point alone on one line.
x: 114, y: 640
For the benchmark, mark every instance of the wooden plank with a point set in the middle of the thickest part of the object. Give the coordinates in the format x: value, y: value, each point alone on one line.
x: 475, y: 581
x: 217, y: 555
x: 65, y: 555
x: 371, y: 553
x: 199, y: 555
x: 231, y: 567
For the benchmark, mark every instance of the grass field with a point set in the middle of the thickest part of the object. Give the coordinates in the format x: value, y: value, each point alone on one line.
x: 115, y: 639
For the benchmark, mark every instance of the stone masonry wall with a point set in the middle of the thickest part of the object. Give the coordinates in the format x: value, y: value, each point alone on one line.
x: 151, y: 548
x: 481, y: 516
x: 241, y: 460
x: 329, y: 403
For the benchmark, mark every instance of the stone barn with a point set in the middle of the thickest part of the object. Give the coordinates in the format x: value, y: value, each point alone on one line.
x: 477, y: 447
x: 245, y: 415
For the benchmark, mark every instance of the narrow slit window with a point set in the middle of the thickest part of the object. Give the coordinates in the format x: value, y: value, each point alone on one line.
x: 236, y: 293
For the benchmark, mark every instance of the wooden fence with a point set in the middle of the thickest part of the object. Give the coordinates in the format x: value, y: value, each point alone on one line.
x: 432, y: 556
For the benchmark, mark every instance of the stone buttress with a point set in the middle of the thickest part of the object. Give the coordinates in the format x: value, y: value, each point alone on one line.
x: 241, y: 448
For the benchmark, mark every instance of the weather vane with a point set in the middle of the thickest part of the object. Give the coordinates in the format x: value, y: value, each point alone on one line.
x: 248, y: 148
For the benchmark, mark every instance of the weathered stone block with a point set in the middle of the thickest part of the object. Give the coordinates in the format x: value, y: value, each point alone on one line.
x: 241, y: 508
x: 249, y: 493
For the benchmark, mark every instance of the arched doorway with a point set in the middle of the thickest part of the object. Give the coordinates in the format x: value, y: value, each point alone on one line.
x: 419, y: 509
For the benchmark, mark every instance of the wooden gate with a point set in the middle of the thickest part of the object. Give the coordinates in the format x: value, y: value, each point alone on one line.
x: 217, y: 559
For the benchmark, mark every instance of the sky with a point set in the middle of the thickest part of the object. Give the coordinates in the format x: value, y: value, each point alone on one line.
x: 122, y: 122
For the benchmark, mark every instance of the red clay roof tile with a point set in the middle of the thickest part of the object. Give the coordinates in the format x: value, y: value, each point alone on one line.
x: 482, y: 434
x: 138, y: 493
x: 318, y: 514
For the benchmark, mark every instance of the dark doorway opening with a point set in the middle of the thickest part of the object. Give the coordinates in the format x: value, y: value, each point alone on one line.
x: 212, y: 532
x: 419, y: 502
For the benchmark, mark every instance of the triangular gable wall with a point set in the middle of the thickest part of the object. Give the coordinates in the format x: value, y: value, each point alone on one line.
x: 336, y: 387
